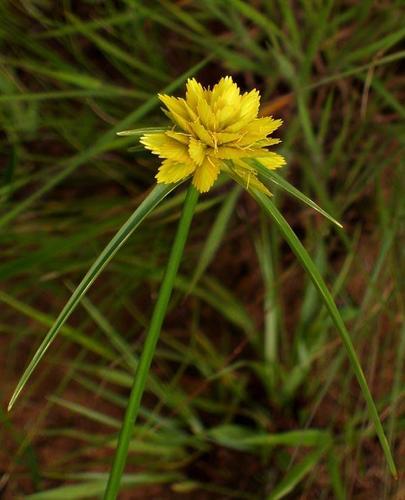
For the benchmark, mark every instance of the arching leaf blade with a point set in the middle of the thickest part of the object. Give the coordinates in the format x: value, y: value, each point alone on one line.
x: 309, y: 266
x: 272, y: 176
x: 149, y: 203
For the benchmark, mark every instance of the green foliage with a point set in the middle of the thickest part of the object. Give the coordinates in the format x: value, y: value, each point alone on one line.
x: 250, y: 394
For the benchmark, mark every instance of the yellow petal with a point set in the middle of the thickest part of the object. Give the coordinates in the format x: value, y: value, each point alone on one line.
x: 178, y: 136
x: 255, y: 140
x: 246, y: 175
x: 248, y: 109
x: 249, y: 180
x: 206, y: 174
x: 227, y: 92
x: 227, y: 115
x: 202, y: 133
x: 207, y: 95
x: 268, y: 142
x: 228, y: 153
x: 154, y: 141
x: 271, y: 160
x: 196, y: 150
x: 174, y: 105
x: 191, y: 113
x: 226, y: 137
x: 166, y: 147
x: 206, y: 115
x: 183, y: 123
x: 256, y: 184
x: 263, y: 126
x: 257, y: 131
x: 194, y: 93
x: 171, y: 171
x: 236, y: 126
x: 249, y: 106
x: 231, y: 153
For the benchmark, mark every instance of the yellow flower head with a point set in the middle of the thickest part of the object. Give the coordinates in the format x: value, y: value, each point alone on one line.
x: 212, y: 126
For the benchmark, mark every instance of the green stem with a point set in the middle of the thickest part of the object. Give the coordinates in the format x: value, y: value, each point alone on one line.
x: 152, y: 337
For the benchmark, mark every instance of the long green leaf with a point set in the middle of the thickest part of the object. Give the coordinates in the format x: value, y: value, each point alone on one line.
x: 140, y: 131
x: 238, y: 437
x: 215, y: 236
x: 84, y: 411
x: 73, y: 334
x: 152, y: 200
x: 296, y: 474
x: 92, y: 489
x: 309, y: 266
x: 289, y: 188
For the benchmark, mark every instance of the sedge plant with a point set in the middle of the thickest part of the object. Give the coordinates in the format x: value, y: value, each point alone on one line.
x: 214, y: 130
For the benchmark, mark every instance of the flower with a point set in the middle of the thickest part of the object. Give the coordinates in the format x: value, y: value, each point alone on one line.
x: 212, y: 127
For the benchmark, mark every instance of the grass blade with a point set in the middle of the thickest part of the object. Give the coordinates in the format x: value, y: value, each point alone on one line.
x: 84, y: 411
x: 153, y: 199
x: 296, y: 474
x: 73, y: 334
x: 99, y: 146
x: 94, y: 488
x: 240, y: 438
x: 152, y: 337
x: 307, y: 263
x: 140, y: 131
x: 290, y: 189
x: 216, y: 235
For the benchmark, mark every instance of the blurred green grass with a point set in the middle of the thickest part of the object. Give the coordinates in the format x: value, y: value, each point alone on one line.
x: 251, y: 396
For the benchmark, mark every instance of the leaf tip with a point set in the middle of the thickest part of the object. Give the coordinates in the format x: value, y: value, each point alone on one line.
x: 11, y: 402
x: 14, y: 396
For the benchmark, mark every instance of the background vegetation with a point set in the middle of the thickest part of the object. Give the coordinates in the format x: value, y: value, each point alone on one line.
x: 251, y: 395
